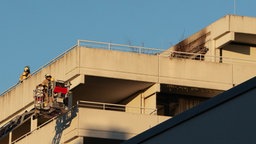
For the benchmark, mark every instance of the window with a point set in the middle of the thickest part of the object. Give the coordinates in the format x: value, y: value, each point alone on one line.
x: 173, y: 104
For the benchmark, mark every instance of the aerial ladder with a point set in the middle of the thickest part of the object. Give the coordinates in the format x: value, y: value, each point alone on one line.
x: 49, y: 101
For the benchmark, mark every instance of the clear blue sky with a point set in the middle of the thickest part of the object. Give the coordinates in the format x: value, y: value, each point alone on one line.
x: 33, y: 32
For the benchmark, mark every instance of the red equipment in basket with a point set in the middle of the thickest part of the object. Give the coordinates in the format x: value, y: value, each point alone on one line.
x: 62, y: 90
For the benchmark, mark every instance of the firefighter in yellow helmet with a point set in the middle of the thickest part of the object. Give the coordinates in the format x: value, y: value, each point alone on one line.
x: 47, y: 84
x: 47, y: 80
x: 25, y: 74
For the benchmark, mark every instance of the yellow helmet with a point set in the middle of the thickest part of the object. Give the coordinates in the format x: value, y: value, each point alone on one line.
x: 47, y: 75
x: 26, y: 68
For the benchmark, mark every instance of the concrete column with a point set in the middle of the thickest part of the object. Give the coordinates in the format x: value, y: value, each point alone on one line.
x: 10, y: 137
x: 33, y: 124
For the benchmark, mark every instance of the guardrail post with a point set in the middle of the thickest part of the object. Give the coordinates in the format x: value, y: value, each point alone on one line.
x: 78, y: 42
x: 10, y: 137
x: 109, y: 46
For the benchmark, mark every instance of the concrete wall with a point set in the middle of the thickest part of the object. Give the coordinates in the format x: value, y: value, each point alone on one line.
x: 104, y: 124
x: 220, y: 33
x: 146, y: 99
x: 158, y: 69
x: 118, y: 64
x: 243, y: 24
x: 141, y: 67
x: 242, y: 72
x: 223, y: 30
x: 116, y: 125
x: 195, y: 73
x: 242, y: 52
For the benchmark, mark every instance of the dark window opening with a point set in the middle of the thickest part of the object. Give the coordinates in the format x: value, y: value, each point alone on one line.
x: 220, y: 55
x: 173, y: 104
x: 42, y: 121
x: 91, y: 140
x: 5, y: 139
x: 21, y: 130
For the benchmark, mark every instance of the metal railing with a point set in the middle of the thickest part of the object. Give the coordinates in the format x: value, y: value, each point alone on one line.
x: 119, y: 47
x: 115, y: 107
x: 88, y: 104
x: 40, y: 68
x: 40, y: 126
x: 204, y: 57
x: 143, y: 50
x: 96, y: 44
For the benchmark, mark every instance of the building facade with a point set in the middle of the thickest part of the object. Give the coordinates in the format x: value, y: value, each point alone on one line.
x: 119, y: 94
x: 226, y: 118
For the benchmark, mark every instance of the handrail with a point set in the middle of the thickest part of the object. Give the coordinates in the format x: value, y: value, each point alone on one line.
x: 121, y: 47
x: 144, y: 50
x: 83, y: 104
x: 40, y: 126
x: 35, y: 72
x: 204, y: 57
x: 112, y: 46
x: 25, y: 135
x: 109, y: 106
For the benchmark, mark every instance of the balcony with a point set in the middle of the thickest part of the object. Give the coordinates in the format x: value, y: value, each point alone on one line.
x: 89, y: 120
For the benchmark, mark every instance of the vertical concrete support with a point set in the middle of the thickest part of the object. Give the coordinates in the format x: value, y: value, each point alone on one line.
x: 144, y: 102
x: 149, y: 99
x: 134, y: 105
x: 33, y: 124
x: 10, y: 137
x: 75, y: 81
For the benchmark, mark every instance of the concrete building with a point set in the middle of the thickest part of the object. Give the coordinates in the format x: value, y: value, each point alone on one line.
x: 226, y: 118
x: 120, y: 91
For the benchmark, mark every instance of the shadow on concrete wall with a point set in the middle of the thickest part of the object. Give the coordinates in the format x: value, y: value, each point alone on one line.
x: 116, y: 135
x: 62, y: 123
x: 238, y: 48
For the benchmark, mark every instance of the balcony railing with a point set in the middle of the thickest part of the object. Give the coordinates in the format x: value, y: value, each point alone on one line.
x: 204, y: 57
x: 119, y: 47
x: 116, y: 107
x: 88, y: 104
x: 144, y: 50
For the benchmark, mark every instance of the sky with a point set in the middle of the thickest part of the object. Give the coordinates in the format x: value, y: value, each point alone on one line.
x: 33, y: 32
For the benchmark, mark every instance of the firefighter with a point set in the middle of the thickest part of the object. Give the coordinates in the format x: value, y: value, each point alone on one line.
x: 48, y: 79
x: 48, y: 89
x: 26, y: 74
